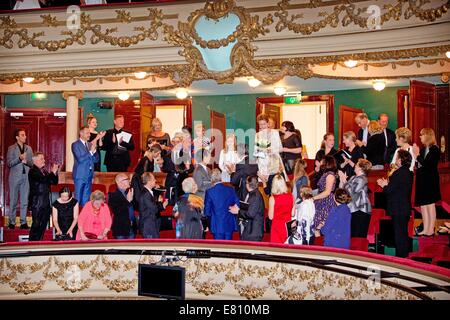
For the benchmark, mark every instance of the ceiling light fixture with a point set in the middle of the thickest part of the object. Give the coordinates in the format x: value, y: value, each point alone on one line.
x: 28, y: 79
x: 252, y: 82
x: 351, y: 63
x: 279, y: 91
x: 140, y: 75
x: 379, y: 85
x: 181, y: 93
x: 448, y: 54
x: 124, y: 96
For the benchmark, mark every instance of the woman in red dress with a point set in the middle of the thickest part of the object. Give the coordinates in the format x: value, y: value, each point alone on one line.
x: 281, y: 204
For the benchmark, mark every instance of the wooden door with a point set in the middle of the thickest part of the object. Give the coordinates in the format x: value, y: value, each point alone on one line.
x: 148, y: 113
x: 52, y: 140
x: 422, y: 107
x: 274, y: 112
x: 347, y: 120
x: 45, y: 133
x: 443, y: 116
x: 132, y: 118
x: 218, y: 134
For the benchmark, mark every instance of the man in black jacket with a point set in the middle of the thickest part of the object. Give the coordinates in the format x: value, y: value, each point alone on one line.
x: 251, y: 213
x: 242, y: 170
x: 122, y: 206
x: 398, y: 194
x: 150, y: 206
x: 389, y: 137
x: 117, y: 157
x: 39, y: 200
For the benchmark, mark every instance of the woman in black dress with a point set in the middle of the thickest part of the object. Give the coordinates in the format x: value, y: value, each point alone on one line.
x: 96, y: 137
x: 427, y: 180
x: 65, y: 211
x: 347, y: 165
x: 292, y: 146
x: 376, y: 145
x: 327, y: 148
x: 161, y: 137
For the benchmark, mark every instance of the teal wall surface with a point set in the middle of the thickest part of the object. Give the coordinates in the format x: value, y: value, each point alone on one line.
x: 239, y: 109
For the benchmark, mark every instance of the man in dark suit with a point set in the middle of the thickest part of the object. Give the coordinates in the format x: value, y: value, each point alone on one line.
x: 85, y: 156
x: 243, y: 169
x: 251, y: 219
x: 150, y: 206
x: 389, y: 136
x: 122, y: 206
x: 40, y: 180
x: 117, y: 157
x: 218, y: 200
x: 398, y: 194
x: 202, y: 174
x: 362, y: 120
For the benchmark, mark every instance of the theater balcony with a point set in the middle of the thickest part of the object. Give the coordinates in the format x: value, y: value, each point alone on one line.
x: 212, y: 269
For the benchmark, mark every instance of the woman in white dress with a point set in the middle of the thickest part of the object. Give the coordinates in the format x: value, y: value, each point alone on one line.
x: 228, y: 158
x: 267, y: 151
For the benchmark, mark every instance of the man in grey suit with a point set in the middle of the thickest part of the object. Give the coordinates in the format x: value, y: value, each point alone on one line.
x: 19, y: 159
x: 202, y: 174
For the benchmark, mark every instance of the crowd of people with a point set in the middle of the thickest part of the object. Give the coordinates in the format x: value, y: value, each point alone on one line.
x: 332, y: 202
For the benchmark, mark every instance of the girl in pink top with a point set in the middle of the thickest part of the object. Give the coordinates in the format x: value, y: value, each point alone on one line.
x: 95, y: 220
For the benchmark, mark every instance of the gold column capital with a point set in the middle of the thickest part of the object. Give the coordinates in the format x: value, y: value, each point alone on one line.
x: 78, y: 94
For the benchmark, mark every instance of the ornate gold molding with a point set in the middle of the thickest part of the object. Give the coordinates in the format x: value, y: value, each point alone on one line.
x: 248, y: 279
x: 261, y: 67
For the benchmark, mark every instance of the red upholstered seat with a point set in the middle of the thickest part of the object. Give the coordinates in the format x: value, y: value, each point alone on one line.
x: 112, y: 188
x: 360, y: 244
x: 100, y: 187
x: 56, y: 188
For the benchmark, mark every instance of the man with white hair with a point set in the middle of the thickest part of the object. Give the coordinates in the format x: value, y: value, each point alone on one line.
x: 40, y: 180
x: 218, y: 200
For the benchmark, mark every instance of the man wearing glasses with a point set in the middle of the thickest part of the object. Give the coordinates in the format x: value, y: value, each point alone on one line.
x: 122, y: 206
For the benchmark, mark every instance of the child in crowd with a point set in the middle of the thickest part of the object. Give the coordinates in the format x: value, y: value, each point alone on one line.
x: 337, y: 226
x: 304, y: 216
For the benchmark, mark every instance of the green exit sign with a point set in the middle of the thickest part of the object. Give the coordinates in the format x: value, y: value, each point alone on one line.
x: 37, y: 96
x: 291, y: 100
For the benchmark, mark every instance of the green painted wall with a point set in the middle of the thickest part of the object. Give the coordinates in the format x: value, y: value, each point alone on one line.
x: 54, y: 100
x: 239, y: 109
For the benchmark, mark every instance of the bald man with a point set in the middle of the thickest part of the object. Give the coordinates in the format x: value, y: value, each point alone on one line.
x: 122, y: 206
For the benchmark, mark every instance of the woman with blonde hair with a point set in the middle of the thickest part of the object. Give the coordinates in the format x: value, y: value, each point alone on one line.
x: 376, y: 146
x: 360, y: 205
x: 228, y: 158
x: 95, y: 138
x: 347, y: 164
x: 403, y: 139
x: 158, y: 135
x: 94, y: 221
x: 300, y: 178
x: 281, y: 204
x: 427, y: 180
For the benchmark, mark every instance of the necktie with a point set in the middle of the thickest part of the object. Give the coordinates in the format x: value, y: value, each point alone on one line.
x: 86, y: 145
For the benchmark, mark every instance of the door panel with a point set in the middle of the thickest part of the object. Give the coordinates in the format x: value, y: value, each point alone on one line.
x: 148, y: 112
x: 53, y: 140
x: 423, y: 107
x: 347, y: 120
x: 218, y: 134
x: 443, y: 130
